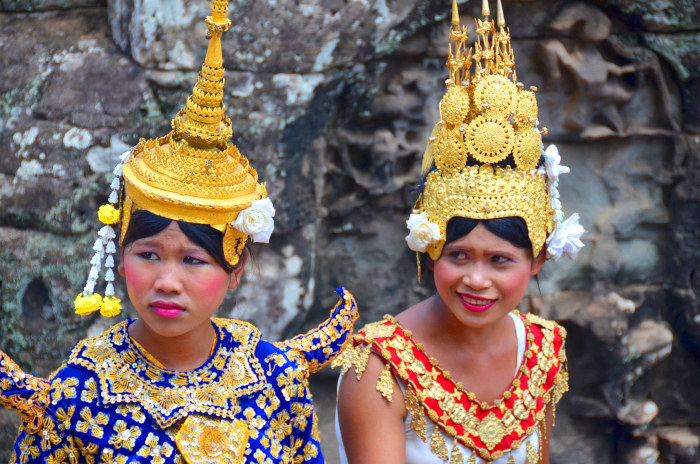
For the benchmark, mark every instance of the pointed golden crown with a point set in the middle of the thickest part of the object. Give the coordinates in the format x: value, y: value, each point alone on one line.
x: 487, y: 117
x: 194, y: 174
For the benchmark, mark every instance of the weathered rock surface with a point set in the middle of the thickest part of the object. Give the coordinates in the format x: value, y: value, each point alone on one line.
x: 333, y: 103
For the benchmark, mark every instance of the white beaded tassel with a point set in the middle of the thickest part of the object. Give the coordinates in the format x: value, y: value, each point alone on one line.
x: 96, y: 262
x: 107, y: 234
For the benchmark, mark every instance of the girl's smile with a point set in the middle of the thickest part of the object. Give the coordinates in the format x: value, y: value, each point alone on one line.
x: 475, y: 303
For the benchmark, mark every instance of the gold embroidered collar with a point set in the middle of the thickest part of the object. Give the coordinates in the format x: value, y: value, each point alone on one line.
x: 490, y: 430
x: 127, y: 375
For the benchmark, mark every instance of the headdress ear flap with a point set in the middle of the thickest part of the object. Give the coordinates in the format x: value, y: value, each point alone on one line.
x: 126, y: 218
x: 234, y: 242
x: 428, y: 158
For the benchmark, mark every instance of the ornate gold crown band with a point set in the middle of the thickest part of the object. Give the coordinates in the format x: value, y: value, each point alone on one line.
x: 193, y: 174
x: 486, y: 118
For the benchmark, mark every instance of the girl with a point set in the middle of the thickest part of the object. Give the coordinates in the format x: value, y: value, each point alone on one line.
x: 462, y: 376
x: 175, y: 385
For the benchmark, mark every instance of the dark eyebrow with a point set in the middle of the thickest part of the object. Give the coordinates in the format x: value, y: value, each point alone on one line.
x: 149, y: 243
x: 486, y: 252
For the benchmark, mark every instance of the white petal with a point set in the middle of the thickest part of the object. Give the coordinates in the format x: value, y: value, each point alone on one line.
x: 110, y: 289
x: 111, y: 248
x: 113, y: 197
x: 109, y: 275
x: 109, y: 262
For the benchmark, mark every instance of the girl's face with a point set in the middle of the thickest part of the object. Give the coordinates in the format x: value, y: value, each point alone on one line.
x: 174, y: 284
x: 481, y: 277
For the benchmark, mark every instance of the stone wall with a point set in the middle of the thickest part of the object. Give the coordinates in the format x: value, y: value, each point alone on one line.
x: 333, y: 102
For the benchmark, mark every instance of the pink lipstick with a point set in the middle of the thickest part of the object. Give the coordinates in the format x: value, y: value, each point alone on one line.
x: 475, y: 303
x: 167, y: 309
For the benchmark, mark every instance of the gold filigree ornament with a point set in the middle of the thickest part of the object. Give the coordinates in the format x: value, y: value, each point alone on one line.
x: 491, y: 431
x: 495, y: 95
x: 528, y: 148
x: 454, y: 106
x: 490, y: 139
x: 450, y: 150
x: 208, y: 440
x: 525, y: 109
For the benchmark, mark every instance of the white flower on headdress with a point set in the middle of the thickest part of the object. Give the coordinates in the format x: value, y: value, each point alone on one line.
x: 566, y: 239
x: 422, y: 232
x: 552, y: 166
x: 256, y: 220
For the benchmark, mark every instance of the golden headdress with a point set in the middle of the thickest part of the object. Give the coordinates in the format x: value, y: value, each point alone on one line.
x: 487, y: 118
x: 193, y: 174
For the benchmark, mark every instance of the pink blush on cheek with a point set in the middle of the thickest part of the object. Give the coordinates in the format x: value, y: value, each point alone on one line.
x: 134, y: 280
x: 214, y: 285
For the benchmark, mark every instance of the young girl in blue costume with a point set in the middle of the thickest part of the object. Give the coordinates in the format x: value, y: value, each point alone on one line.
x: 176, y: 385
x: 463, y: 377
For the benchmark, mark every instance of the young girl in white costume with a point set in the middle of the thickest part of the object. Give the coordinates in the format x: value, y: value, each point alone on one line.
x: 175, y: 385
x: 463, y: 376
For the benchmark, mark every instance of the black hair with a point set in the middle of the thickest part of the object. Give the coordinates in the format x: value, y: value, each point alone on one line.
x: 146, y: 224
x: 512, y: 229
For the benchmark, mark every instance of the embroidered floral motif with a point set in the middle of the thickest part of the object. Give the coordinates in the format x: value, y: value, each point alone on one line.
x: 28, y: 449
x: 92, y: 424
x: 268, y: 401
x: 124, y: 436
x: 90, y: 392
x: 133, y: 409
x: 48, y: 434
x: 108, y: 457
x: 61, y: 389
x: 157, y: 452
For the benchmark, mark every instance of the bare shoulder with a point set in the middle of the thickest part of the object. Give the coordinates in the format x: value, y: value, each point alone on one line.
x: 360, y: 390
x: 371, y: 424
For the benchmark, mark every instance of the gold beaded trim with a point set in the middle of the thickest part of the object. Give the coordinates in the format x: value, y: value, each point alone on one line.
x: 482, y: 192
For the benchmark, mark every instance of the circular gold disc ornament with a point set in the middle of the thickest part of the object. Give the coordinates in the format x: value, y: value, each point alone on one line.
x: 528, y: 149
x: 450, y: 151
x: 525, y: 109
x: 454, y: 106
x: 497, y: 92
x: 489, y: 139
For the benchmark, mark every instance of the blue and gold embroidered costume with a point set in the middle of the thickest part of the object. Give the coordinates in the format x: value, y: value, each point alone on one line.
x: 112, y: 403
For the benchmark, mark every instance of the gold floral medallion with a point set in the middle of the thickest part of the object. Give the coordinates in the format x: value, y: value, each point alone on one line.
x: 454, y: 106
x: 528, y: 145
x: 491, y: 431
x: 489, y: 139
x: 450, y: 151
x: 208, y: 440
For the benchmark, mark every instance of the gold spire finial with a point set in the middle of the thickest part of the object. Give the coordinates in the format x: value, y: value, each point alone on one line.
x: 455, y: 13
x: 500, y: 17
x: 485, y: 8
x: 201, y: 123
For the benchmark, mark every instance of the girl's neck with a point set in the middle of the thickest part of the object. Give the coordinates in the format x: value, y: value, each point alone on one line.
x: 446, y: 327
x: 183, y: 353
